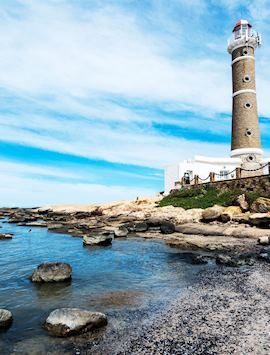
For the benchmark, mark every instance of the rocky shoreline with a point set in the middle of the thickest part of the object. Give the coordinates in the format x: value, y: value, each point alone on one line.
x: 225, y: 311
x: 233, y: 230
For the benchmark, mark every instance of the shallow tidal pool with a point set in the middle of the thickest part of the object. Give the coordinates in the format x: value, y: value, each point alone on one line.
x: 133, y: 276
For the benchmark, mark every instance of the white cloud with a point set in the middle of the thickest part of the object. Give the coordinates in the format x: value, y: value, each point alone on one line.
x: 27, y: 192
x: 130, y: 145
x: 51, y: 50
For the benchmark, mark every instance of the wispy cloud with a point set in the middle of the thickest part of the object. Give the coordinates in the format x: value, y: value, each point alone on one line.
x: 127, y: 82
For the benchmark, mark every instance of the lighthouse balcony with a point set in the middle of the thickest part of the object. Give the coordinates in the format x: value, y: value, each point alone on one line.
x: 244, y: 38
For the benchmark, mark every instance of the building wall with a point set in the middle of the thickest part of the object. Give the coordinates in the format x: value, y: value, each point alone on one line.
x: 247, y: 184
x: 202, y: 166
x: 171, y: 175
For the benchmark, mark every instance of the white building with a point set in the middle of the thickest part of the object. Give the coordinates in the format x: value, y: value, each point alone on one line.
x: 224, y: 169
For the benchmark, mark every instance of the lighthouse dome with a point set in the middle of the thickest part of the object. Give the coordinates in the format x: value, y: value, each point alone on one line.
x: 243, y: 23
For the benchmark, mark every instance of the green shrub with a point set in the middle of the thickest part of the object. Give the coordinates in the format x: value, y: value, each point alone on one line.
x: 203, y: 198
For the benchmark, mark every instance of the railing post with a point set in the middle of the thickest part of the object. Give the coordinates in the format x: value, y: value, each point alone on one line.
x: 212, y: 177
x: 238, y: 173
x: 182, y: 181
x: 196, y: 179
x: 269, y: 168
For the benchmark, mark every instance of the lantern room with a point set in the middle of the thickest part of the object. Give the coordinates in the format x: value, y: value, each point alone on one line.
x: 242, y: 29
x: 243, y: 35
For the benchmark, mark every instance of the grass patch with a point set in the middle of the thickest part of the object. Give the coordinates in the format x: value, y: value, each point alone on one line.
x: 203, y: 198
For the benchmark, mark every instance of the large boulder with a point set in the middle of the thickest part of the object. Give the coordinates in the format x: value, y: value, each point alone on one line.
x: 212, y: 213
x: 64, y: 322
x: 229, y: 212
x: 5, y: 319
x: 260, y: 219
x: 242, y: 202
x: 101, y: 238
x: 52, y: 272
x: 261, y: 205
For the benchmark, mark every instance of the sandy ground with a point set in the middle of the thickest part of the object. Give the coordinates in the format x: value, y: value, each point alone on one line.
x: 226, y: 312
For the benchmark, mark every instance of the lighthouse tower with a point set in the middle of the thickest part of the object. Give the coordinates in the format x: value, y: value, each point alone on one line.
x: 245, y: 141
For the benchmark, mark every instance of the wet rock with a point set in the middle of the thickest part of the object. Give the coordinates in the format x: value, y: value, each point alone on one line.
x: 212, y: 213
x: 264, y: 240
x: 261, y: 205
x: 265, y: 254
x: 52, y: 272
x: 242, y: 203
x: 121, y: 231
x: 199, y: 259
x: 167, y: 228
x: 102, y: 238
x: 64, y: 322
x: 6, y: 236
x: 141, y: 227
x: 227, y: 260
x: 260, y: 219
x: 5, y: 319
x: 229, y: 212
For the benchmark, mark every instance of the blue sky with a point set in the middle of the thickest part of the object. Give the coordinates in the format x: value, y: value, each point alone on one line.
x: 98, y: 96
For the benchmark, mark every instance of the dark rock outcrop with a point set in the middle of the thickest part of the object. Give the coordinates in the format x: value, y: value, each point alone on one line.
x: 5, y: 236
x: 141, y: 227
x: 167, y: 228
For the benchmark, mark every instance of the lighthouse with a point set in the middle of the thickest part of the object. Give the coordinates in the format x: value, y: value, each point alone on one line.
x: 245, y: 138
x: 246, y: 154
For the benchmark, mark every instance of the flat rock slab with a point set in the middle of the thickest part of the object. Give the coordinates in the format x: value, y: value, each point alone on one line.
x: 236, y: 231
x: 5, y: 319
x: 36, y: 224
x: 64, y: 322
x: 52, y: 272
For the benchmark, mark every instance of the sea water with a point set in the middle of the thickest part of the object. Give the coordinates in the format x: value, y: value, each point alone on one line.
x: 132, y: 274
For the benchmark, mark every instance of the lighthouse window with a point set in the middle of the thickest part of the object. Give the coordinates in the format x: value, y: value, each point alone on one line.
x: 247, y: 79
x: 248, y: 105
x: 245, y: 51
x: 249, y: 132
